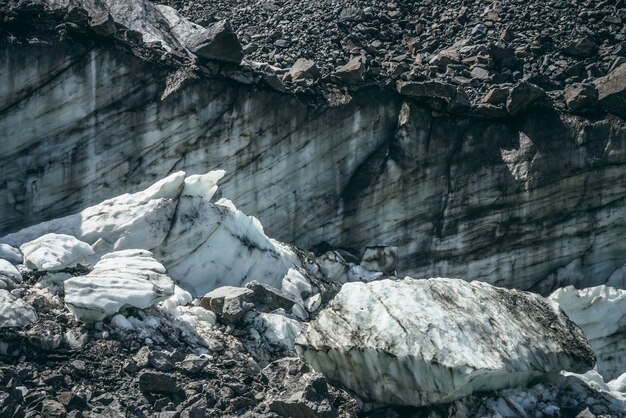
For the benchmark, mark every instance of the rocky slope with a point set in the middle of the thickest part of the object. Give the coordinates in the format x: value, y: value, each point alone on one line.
x: 519, y: 201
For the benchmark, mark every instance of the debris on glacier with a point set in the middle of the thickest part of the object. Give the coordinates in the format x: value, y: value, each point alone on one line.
x: 421, y: 342
x: 129, y: 278
x: 601, y: 313
x: 54, y: 252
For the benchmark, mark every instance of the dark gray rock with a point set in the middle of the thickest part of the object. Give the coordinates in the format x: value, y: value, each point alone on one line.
x: 156, y: 382
x: 431, y: 89
x: 103, y: 24
x: 270, y: 297
x: 580, y: 96
x: 351, y: 72
x: 218, y: 42
x: 302, y: 69
x: 522, y: 96
x: 229, y: 303
x: 612, y: 91
x: 581, y: 48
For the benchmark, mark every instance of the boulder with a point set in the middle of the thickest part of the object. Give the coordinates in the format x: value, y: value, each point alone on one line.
x: 229, y: 303
x: 302, y: 69
x: 156, y: 382
x: 128, y: 278
x: 522, y: 96
x: 102, y: 24
x: 218, y: 42
x: 601, y: 313
x: 580, y: 96
x: 298, y: 391
x: 54, y: 252
x: 432, y: 89
x: 422, y: 342
x: 15, y: 312
x: 270, y: 297
x: 612, y: 91
x: 581, y: 48
x: 352, y: 72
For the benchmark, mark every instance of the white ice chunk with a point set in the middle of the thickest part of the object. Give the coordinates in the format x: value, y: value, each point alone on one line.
x: 359, y: 273
x: 54, y: 252
x: 202, y: 185
x: 11, y: 254
x: 277, y: 329
x: 619, y: 384
x: 125, y: 278
x: 601, y: 312
x: 296, y: 285
x: 15, y: 312
x: 8, y: 270
x: 419, y: 342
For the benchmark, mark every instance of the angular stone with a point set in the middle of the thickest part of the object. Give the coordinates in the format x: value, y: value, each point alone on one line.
x: 612, y: 91
x: 438, y: 340
x: 52, y: 409
x: 434, y: 89
x: 581, y: 48
x: 229, y: 303
x: 496, y: 96
x: 103, y: 24
x: 218, y: 42
x: 271, y: 297
x: 522, y: 96
x: 299, y: 392
x: 302, y: 69
x: 155, y: 382
x: 352, y: 72
x: 580, y: 96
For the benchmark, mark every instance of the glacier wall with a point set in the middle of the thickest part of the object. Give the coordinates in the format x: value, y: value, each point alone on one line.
x: 533, y: 202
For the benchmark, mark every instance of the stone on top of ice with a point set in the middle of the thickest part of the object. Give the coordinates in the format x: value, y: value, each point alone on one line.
x: 11, y: 254
x: 601, y: 313
x: 15, y: 312
x: 54, y: 252
x: 129, y: 278
x: 421, y: 342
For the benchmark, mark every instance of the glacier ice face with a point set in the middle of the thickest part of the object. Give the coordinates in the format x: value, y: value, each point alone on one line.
x: 420, y: 342
x: 129, y: 278
x: 601, y: 313
x: 15, y: 312
x: 203, y: 245
x: 54, y: 252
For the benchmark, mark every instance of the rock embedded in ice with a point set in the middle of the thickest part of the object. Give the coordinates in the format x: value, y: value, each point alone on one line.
x: 421, y: 342
x: 601, y: 313
x: 10, y: 277
x: 54, y: 252
x: 11, y: 254
x: 15, y: 312
x: 129, y: 278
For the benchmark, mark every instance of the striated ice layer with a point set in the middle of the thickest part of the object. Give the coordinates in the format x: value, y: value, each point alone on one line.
x: 421, y: 342
x: 129, y: 278
x: 601, y: 312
